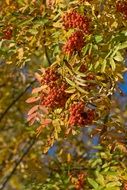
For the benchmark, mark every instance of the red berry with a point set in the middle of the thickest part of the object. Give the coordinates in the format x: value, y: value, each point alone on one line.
x: 77, y: 21
x: 125, y: 186
x: 56, y: 97
x: 121, y: 7
x: 7, y: 33
x: 79, y: 115
x: 74, y: 43
x: 50, y: 77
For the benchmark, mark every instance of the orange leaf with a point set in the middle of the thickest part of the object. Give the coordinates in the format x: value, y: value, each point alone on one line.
x: 32, y: 99
x: 33, y: 109
x: 44, y: 109
x: 36, y: 90
x: 31, y: 116
x: 46, y: 121
x: 32, y: 121
x: 38, y: 77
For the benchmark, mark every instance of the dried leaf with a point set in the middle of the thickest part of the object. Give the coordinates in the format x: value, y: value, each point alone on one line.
x: 8, y: 2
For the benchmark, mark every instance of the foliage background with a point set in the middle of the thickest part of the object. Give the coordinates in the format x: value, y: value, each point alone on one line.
x: 22, y: 164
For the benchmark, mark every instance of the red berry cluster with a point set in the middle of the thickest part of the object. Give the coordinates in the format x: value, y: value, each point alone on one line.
x: 56, y: 97
x: 121, y: 7
x: 79, y: 115
x: 80, y: 182
x: 77, y: 180
x: 74, y: 43
x: 50, y: 77
x: 125, y: 186
x: 83, y: 68
x: 7, y: 34
x: 77, y: 21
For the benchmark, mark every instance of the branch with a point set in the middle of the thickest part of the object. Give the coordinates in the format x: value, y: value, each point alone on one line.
x: 15, y: 100
x: 18, y: 161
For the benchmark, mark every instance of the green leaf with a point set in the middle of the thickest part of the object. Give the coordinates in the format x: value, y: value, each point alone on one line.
x: 81, y: 90
x: 33, y: 31
x: 103, y: 66
x: 70, y: 82
x: 98, y: 38
x: 25, y: 22
x: 123, y: 45
x: 85, y: 49
x: 118, y: 57
x: 96, y: 64
x: 90, y: 48
x: 93, y: 183
x: 114, y: 184
x: 100, y: 179
x: 113, y: 64
x: 70, y: 90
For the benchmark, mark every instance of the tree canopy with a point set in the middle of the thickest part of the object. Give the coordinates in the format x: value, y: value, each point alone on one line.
x: 63, y: 115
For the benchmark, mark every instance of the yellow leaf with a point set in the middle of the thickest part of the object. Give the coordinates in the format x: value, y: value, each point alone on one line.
x: 20, y: 53
x: 68, y: 157
x: 8, y: 2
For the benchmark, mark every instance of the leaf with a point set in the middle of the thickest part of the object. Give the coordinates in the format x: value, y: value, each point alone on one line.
x: 80, y: 83
x: 32, y: 99
x: 90, y: 48
x: 80, y: 74
x: 123, y: 45
x: 70, y: 82
x: 31, y: 116
x: 118, y: 57
x: 80, y: 79
x: 31, y: 122
x: 114, y: 184
x: 96, y: 64
x: 100, y: 179
x: 113, y: 64
x: 103, y: 66
x: 26, y: 22
x: 39, y: 129
x: 85, y: 49
x: 46, y: 122
x: 98, y: 38
x: 20, y: 53
x: 44, y: 109
x: 81, y: 90
x: 57, y: 25
x: 36, y: 90
x: 8, y: 2
x: 70, y: 90
x: 32, y: 110
x: 33, y: 31
x: 93, y: 183
x: 38, y: 77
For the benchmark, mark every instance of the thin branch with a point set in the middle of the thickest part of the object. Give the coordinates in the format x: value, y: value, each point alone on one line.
x: 18, y: 161
x: 15, y: 100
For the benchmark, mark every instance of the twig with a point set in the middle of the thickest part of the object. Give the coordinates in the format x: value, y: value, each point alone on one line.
x: 18, y: 161
x: 15, y: 100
